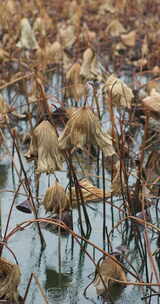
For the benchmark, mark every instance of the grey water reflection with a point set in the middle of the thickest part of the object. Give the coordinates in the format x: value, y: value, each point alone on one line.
x: 55, y: 279
x: 57, y: 284
x: 3, y: 174
x: 3, y: 179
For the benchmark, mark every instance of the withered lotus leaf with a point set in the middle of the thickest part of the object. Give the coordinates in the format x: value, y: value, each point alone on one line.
x: 4, y: 55
x: 115, y: 28
x: 120, y: 5
x: 9, y: 281
x: 76, y: 17
x: 39, y: 26
x: 156, y: 70
x: 44, y: 145
x: 56, y: 199
x: 109, y: 269
x: 50, y: 53
x: 56, y: 52
x: 84, y: 128
x: 5, y: 109
x: 67, y: 35
x: 119, y: 92
x: 152, y: 103
x: 27, y: 39
x: 87, y: 35
x: 75, y: 87
x: 106, y: 6
x: 70, y: 111
x: 118, y: 177
x: 89, y: 192
x: 89, y: 67
x: 129, y: 39
x: 10, y: 6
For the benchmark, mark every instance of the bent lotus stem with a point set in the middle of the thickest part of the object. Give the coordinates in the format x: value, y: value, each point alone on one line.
x: 27, y: 185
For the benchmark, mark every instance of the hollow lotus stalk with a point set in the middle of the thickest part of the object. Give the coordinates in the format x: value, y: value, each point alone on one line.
x: 84, y: 128
x: 44, y: 145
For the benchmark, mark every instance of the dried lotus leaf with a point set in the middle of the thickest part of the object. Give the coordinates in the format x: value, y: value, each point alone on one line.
x: 119, y: 92
x: 67, y: 35
x: 89, y: 67
x: 39, y: 26
x: 44, y: 144
x: 9, y: 281
x: 109, y: 270
x: 129, y: 39
x: 55, y: 199
x: 152, y: 103
x: 89, y: 192
x: 75, y: 88
x: 107, y: 6
x: 83, y: 128
x: 115, y: 28
x: 27, y: 39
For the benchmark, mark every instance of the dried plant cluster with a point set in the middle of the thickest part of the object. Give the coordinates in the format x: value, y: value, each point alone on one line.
x: 44, y: 145
x: 84, y: 78
x: 83, y: 128
x: 90, y: 192
x: 49, y: 34
x: 55, y: 199
x: 9, y: 281
x: 108, y: 271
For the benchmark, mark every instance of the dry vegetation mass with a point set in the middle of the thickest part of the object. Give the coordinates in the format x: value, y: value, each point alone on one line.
x: 98, y: 125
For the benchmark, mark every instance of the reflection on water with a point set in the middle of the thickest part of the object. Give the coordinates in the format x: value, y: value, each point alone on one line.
x: 55, y: 279
x: 57, y: 285
x: 3, y: 179
x: 114, y: 294
x: 3, y: 174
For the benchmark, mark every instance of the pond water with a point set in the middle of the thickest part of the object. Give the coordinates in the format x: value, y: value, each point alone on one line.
x: 62, y: 267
